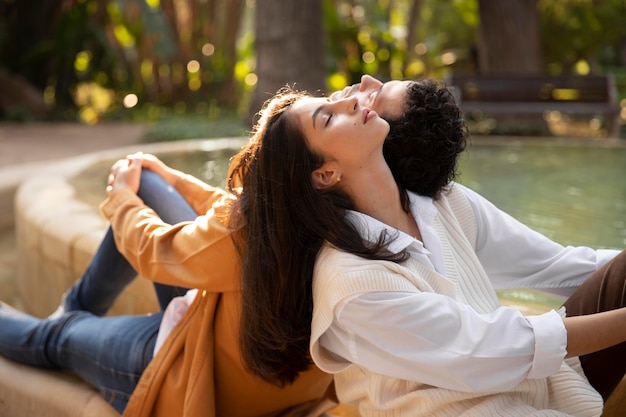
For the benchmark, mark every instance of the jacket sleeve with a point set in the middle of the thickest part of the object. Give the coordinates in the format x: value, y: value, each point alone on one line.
x: 198, y: 194
x: 198, y: 254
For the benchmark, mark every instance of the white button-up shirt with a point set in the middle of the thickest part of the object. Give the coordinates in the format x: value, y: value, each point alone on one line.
x: 436, y: 340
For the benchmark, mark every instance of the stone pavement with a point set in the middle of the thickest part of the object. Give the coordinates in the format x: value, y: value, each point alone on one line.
x: 45, y: 142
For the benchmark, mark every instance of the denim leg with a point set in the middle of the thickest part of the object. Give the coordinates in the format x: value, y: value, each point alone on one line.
x: 109, y: 272
x: 110, y: 353
x: 161, y: 197
x: 172, y: 208
x: 104, y: 279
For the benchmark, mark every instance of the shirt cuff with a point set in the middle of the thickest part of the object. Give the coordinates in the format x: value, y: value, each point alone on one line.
x: 550, y: 344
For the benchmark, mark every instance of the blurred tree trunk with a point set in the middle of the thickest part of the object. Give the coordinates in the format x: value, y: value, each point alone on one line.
x: 411, y: 37
x: 179, y: 23
x: 229, y: 34
x: 289, y: 47
x: 621, y: 52
x: 509, y: 38
x: 509, y: 42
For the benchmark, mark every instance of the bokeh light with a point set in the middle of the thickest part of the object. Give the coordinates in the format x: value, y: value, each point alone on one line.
x: 193, y: 66
x: 208, y: 49
x: 130, y: 101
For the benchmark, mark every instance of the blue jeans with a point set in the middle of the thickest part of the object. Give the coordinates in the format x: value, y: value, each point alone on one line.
x: 110, y: 353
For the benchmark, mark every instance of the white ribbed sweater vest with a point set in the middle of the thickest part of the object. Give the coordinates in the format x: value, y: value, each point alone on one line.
x: 339, y: 275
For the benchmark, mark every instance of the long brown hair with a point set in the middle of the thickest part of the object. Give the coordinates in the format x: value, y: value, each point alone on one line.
x: 283, y: 221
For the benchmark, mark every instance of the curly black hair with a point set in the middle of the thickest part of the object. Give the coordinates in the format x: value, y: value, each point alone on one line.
x: 423, y: 146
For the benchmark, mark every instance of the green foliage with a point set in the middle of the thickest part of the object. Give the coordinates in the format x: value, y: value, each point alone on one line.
x: 371, y: 37
x: 124, y: 50
x: 80, y: 32
x: 40, y: 41
x: 448, y: 29
x: 582, y: 30
x: 153, y: 24
x: 468, y: 12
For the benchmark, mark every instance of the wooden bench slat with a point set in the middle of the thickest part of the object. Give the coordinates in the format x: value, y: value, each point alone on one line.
x: 536, y: 94
x: 534, y: 108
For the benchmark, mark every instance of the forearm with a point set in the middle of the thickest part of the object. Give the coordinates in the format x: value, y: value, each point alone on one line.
x: 198, y: 254
x: 197, y: 193
x: 169, y: 174
x: 433, y: 339
x: 594, y: 332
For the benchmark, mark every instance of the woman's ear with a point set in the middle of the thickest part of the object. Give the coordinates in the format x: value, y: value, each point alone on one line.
x: 325, y: 177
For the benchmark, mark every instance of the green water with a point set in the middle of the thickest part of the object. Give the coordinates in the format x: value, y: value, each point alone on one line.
x: 573, y: 193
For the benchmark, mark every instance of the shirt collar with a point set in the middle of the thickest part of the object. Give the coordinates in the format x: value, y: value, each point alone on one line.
x: 422, y: 209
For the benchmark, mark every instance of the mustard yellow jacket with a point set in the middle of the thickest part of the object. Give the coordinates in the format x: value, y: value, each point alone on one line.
x: 198, y: 372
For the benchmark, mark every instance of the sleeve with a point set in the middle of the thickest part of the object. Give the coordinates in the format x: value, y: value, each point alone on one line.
x: 432, y: 339
x: 198, y: 194
x: 198, y: 254
x: 515, y: 256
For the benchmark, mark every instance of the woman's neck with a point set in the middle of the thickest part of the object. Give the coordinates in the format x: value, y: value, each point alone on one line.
x: 376, y: 194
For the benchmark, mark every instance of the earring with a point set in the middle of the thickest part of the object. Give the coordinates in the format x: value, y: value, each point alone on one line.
x: 338, y: 178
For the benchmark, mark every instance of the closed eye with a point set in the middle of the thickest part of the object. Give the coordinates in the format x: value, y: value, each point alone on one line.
x: 330, y: 115
x: 371, y: 97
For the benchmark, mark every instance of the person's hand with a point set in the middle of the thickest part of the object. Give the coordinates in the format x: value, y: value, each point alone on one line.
x: 125, y: 173
x: 154, y: 164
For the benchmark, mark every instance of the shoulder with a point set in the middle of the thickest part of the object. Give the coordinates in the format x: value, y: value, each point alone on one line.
x: 332, y: 262
x: 458, y: 207
x: 455, y: 198
x: 339, y: 274
x: 456, y: 191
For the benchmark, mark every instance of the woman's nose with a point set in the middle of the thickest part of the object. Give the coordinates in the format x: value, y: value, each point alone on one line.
x: 352, y: 103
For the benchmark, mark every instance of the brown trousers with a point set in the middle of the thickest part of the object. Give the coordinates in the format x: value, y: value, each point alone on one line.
x: 604, y: 290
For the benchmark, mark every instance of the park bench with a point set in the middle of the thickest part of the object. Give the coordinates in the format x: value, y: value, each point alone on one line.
x: 532, y: 95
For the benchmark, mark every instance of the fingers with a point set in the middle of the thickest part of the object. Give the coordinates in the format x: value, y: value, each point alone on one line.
x: 125, y: 173
x: 136, y: 160
x: 138, y: 156
x: 114, y: 172
x: 153, y: 163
